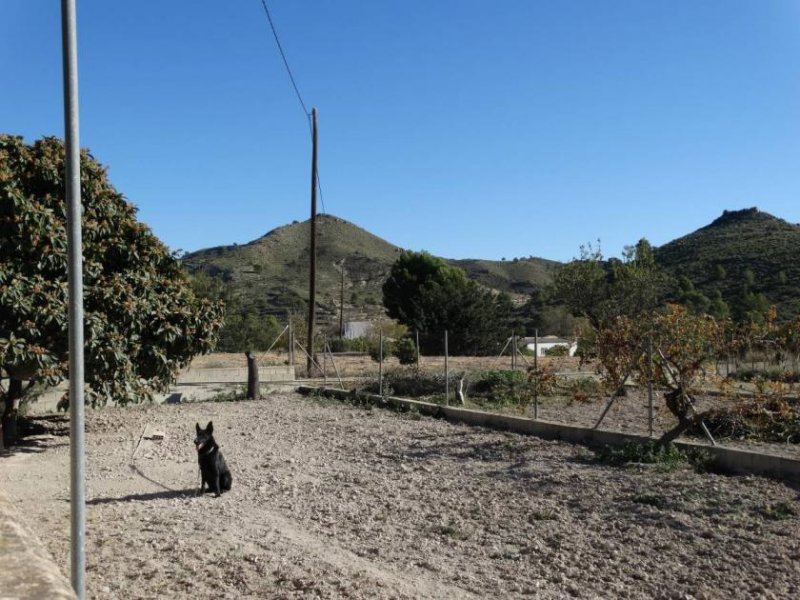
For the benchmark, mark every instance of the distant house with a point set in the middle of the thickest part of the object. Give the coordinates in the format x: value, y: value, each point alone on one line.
x: 356, y: 329
x: 543, y: 344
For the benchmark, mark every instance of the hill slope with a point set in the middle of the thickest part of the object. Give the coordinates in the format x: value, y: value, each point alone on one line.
x: 718, y: 255
x: 270, y: 274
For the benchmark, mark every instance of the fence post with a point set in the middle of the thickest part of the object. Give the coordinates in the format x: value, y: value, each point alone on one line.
x: 536, y: 372
x: 380, y: 362
x: 324, y: 361
x: 446, y: 372
x: 416, y: 333
x: 650, y: 384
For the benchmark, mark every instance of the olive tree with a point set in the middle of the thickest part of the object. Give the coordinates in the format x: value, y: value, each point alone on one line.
x: 142, y: 320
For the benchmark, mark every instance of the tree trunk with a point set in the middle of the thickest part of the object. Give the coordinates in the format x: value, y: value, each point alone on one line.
x: 253, y: 387
x: 11, y: 411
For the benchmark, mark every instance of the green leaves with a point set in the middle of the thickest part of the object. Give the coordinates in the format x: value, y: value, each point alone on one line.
x: 428, y: 295
x: 142, y: 320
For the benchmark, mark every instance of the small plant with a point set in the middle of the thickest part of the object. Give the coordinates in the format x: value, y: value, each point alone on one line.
x: 557, y: 351
x: 450, y: 530
x: 375, y: 349
x: 541, y: 515
x: 584, y: 389
x: 406, y: 352
x: 649, y: 499
x: 778, y: 511
x: 668, y: 456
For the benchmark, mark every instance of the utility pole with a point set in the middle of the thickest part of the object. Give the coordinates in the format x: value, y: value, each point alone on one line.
x: 72, y: 186
x: 341, y: 304
x: 312, y: 280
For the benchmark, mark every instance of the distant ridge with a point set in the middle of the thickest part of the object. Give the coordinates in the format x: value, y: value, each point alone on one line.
x: 718, y: 255
x: 270, y: 274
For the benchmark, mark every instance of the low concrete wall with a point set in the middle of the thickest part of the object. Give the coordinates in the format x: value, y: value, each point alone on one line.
x: 236, y: 375
x: 28, y: 571
x: 188, y: 385
x: 726, y: 459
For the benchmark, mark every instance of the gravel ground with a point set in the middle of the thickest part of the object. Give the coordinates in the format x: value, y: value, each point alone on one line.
x: 335, y: 501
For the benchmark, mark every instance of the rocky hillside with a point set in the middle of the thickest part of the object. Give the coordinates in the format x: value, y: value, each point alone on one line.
x: 271, y: 273
x: 741, y: 246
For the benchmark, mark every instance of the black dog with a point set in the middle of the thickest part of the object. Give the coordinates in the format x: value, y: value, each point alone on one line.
x: 213, y: 470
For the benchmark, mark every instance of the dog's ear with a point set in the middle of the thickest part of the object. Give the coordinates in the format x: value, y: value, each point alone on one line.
x: 197, y: 427
x: 210, y: 427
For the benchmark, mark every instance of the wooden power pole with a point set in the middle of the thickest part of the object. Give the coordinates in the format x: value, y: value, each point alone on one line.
x: 312, y: 279
x: 341, y: 304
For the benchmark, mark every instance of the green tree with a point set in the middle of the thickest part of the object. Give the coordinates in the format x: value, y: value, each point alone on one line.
x: 429, y: 296
x: 690, y: 297
x: 143, y: 322
x: 602, y: 290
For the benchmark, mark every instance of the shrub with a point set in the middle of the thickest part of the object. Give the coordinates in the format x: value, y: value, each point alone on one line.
x: 502, y: 386
x: 406, y: 352
x: 583, y: 389
x: 375, y: 350
x: 410, y: 383
x: 557, y: 351
x: 340, y: 344
x: 668, y: 456
x: 765, y: 419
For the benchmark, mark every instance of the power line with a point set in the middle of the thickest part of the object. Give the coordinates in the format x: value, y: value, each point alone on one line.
x: 285, y: 62
x: 294, y: 85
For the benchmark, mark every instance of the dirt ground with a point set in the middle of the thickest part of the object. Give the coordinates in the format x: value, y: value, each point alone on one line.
x: 335, y: 501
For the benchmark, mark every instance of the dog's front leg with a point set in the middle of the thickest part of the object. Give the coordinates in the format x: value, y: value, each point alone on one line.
x: 216, y: 485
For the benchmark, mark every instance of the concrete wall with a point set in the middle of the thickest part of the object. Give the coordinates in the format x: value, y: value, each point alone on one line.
x: 236, y: 375
x: 188, y: 385
x: 28, y: 571
x: 726, y: 459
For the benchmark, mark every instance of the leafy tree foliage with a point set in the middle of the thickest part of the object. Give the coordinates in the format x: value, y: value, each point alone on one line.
x: 428, y: 295
x: 142, y: 320
x: 603, y: 290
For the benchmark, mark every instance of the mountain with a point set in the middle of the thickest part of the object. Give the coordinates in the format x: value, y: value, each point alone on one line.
x: 740, y: 246
x: 270, y: 274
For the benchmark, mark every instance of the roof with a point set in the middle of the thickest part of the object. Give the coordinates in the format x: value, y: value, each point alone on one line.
x: 548, y: 339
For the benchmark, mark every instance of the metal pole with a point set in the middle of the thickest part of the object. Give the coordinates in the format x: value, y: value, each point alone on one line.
x: 536, y: 371
x: 312, y: 276
x: 416, y: 332
x: 513, y: 353
x: 446, y: 372
x: 324, y: 361
x: 380, y: 362
x: 75, y: 292
x: 650, y: 384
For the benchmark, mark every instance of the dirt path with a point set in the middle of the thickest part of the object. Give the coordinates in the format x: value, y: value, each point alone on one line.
x: 333, y: 501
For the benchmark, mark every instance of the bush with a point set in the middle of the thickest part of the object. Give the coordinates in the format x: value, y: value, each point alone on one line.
x: 502, y: 386
x: 406, y: 352
x: 340, y: 344
x: 489, y: 381
x: 765, y: 420
x: 375, y: 350
x: 669, y: 457
x: 584, y: 389
x: 410, y: 383
x: 557, y: 351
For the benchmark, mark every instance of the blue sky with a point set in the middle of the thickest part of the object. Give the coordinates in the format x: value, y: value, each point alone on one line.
x: 467, y: 128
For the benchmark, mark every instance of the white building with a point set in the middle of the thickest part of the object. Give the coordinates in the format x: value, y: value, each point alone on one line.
x: 543, y: 344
